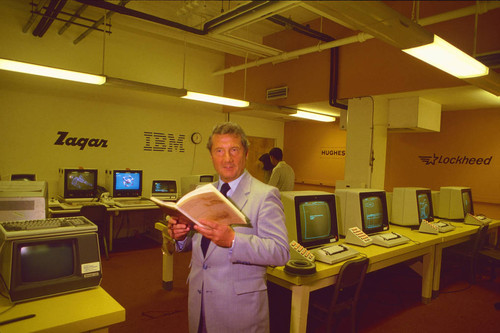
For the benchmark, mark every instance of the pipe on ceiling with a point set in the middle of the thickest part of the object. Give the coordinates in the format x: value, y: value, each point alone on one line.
x: 334, y: 80
x: 252, y: 16
x: 302, y: 29
x: 53, y: 9
x: 226, y: 17
x: 334, y: 55
x: 360, y: 37
x: 244, y: 15
x: 34, y: 15
x: 72, y: 19
x: 97, y: 23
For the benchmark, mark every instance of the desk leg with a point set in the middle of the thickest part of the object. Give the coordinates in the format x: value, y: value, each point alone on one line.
x: 110, y: 236
x: 437, y: 271
x: 300, y: 308
x: 427, y: 275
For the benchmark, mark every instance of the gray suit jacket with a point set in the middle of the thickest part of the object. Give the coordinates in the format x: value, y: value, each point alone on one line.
x: 232, y: 282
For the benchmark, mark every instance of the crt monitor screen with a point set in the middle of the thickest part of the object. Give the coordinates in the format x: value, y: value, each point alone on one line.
x: 374, y: 216
x: 23, y: 176
x: 36, y: 266
x: 206, y: 179
x: 467, y: 201
x: 424, y: 201
x: 311, y: 217
x: 127, y: 183
x: 191, y: 182
x: 164, y: 187
x: 79, y: 183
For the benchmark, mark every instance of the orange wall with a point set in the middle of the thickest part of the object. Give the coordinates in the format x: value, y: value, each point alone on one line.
x: 316, y: 153
x: 471, y: 134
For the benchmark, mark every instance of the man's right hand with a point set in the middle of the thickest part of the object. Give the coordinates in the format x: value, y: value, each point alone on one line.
x: 176, y: 229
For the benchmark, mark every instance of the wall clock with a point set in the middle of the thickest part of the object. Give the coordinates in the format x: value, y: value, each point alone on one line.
x: 196, y: 138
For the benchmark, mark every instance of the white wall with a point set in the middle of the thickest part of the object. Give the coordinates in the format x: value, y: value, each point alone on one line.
x: 34, y: 109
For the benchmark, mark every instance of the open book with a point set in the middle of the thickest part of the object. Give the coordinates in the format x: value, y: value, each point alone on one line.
x: 205, y: 202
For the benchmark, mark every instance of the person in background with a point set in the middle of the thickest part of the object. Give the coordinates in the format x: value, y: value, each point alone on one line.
x: 227, y: 284
x: 283, y: 176
x: 266, y: 165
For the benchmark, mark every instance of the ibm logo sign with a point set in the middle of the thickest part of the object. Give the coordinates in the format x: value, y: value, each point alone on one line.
x: 160, y: 142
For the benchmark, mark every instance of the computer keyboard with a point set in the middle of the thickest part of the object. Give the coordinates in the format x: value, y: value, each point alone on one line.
x: 77, y: 206
x: 332, y: 254
x: 389, y: 239
x: 170, y: 197
x: 134, y: 203
x: 57, y: 225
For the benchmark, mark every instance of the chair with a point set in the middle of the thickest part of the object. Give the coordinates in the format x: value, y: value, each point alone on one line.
x: 491, y: 254
x: 469, y: 251
x: 346, y: 292
x: 98, y: 214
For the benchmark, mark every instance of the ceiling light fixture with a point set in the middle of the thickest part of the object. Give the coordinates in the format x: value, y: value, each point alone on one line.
x: 23, y: 67
x: 448, y: 58
x: 216, y: 99
x: 313, y: 116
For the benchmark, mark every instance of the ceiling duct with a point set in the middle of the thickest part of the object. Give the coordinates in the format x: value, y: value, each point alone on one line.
x: 277, y: 93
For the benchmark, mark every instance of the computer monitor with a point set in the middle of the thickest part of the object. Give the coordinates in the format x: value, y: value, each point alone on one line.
x: 411, y: 205
x: 77, y: 184
x: 23, y: 176
x: 362, y: 208
x: 164, y: 189
x: 189, y: 183
x: 44, y: 266
x: 124, y: 183
x: 310, y: 217
x: 455, y: 202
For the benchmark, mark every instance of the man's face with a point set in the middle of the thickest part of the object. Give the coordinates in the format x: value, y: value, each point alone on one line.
x: 228, y: 156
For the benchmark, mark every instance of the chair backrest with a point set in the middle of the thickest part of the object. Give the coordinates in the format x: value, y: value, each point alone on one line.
x: 95, y: 213
x: 349, y: 281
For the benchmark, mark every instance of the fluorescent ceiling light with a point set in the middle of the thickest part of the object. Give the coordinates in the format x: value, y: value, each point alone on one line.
x: 216, y: 99
x: 448, y: 58
x: 313, y: 116
x: 23, y: 67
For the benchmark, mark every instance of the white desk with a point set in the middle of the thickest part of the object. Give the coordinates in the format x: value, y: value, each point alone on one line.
x: 380, y: 257
x: 82, y: 311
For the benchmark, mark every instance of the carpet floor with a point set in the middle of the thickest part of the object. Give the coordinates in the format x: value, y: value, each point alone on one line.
x: 390, y: 301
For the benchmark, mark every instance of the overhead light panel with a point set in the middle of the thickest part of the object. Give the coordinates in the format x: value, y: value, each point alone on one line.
x: 216, y: 99
x: 448, y: 58
x: 23, y: 67
x: 313, y: 116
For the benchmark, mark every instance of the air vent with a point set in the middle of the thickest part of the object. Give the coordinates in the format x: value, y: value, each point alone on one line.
x: 277, y: 93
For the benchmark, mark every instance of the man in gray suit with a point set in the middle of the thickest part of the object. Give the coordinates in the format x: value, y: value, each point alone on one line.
x: 227, y: 285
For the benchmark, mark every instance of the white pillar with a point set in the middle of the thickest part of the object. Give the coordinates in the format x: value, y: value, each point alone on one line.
x: 365, y: 144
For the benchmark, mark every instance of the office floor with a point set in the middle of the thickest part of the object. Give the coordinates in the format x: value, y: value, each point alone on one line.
x: 390, y: 300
